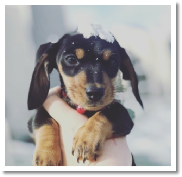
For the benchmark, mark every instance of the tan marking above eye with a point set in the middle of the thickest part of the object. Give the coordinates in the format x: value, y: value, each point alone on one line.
x: 79, y: 53
x: 106, y: 54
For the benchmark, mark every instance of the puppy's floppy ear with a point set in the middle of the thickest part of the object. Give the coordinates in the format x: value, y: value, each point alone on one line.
x: 129, y: 73
x: 40, y: 83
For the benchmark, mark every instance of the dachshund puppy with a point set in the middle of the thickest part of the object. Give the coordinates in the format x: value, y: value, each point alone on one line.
x: 88, y: 64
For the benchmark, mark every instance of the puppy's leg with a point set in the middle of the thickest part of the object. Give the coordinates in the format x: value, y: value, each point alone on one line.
x: 113, y: 121
x: 89, y: 139
x: 47, y: 138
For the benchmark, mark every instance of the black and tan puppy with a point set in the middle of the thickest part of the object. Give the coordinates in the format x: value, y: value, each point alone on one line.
x: 88, y: 67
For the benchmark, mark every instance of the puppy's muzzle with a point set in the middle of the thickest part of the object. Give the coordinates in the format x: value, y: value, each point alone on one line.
x: 94, y: 93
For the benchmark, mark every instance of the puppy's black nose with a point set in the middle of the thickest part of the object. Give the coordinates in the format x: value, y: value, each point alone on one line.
x: 94, y: 93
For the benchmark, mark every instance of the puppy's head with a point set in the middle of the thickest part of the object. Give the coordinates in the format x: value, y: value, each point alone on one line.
x: 88, y: 67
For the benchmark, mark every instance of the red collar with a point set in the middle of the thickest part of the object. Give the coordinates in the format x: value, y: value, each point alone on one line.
x: 78, y: 107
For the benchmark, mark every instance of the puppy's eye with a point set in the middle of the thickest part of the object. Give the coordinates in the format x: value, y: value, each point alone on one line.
x: 72, y: 60
x: 113, y: 61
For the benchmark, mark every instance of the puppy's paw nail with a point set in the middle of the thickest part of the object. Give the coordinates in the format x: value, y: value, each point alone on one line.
x: 84, y: 160
x: 95, y: 157
x: 72, y: 152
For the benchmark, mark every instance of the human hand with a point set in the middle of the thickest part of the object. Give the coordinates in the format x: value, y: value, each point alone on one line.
x: 115, y: 151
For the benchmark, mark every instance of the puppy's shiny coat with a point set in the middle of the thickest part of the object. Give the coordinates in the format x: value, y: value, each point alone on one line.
x: 88, y: 68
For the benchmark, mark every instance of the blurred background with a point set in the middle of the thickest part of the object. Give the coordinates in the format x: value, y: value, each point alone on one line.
x: 145, y: 33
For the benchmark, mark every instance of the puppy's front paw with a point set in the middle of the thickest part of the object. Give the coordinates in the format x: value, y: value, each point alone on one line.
x: 49, y: 156
x: 48, y: 150
x: 87, y: 145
